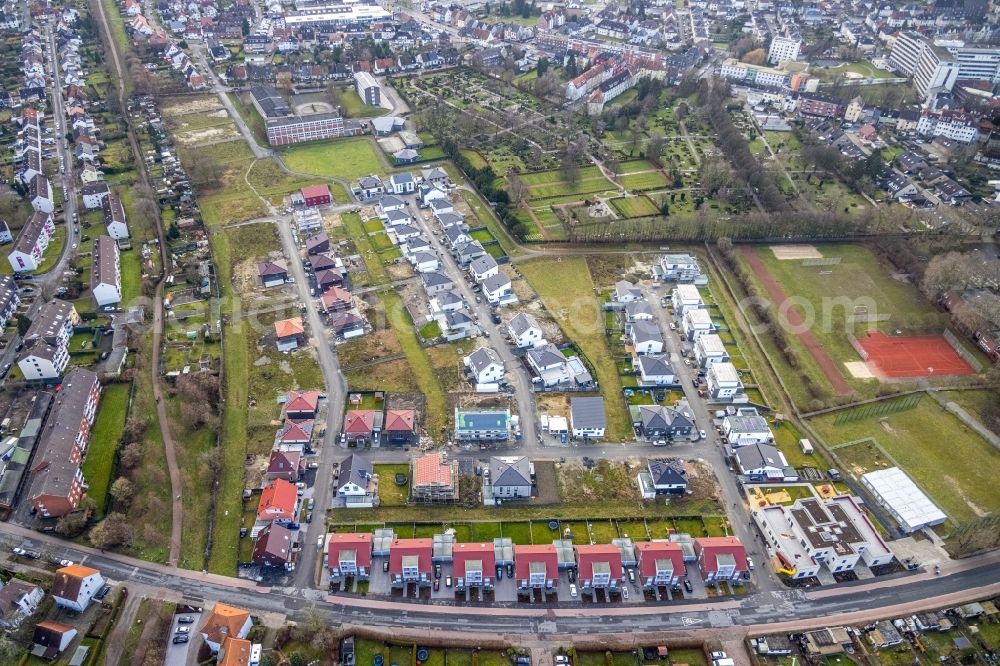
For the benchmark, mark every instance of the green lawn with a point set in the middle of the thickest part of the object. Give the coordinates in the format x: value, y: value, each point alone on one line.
x: 634, y: 206
x: 354, y: 107
x: 54, y: 250
x: 567, y: 290
x: 376, y: 270
x: 348, y: 159
x: 485, y: 218
x: 430, y: 330
x: 953, y: 464
x: 104, y: 439
x: 649, y: 180
x: 420, y: 364
x: 389, y: 493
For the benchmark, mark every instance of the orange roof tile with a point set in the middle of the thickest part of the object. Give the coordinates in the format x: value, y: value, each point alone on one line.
x: 288, y: 327
x: 431, y: 470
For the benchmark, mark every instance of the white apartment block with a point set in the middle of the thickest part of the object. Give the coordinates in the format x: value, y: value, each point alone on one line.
x: 783, y: 48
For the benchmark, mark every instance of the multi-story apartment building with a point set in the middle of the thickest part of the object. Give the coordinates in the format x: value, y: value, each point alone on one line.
x: 784, y: 48
x: 46, y: 342
x: 9, y: 300
x: 105, y: 272
x: 33, y: 239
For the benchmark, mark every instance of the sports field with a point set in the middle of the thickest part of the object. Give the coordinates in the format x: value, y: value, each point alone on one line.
x: 949, y: 461
x: 847, y: 291
x: 913, y: 356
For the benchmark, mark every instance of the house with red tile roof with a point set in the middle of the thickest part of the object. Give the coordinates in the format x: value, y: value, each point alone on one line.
x: 284, y: 463
x: 295, y: 432
x: 336, y: 299
x: 536, y: 566
x: 224, y: 621
x: 289, y: 334
x: 473, y: 564
x: 721, y: 558
x: 434, y: 479
x: 301, y: 405
x: 400, y: 427
x: 361, y: 426
x: 51, y: 638
x: 598, y: 565
x: 410, y: 561
x: 316, y: 195
x: 75, y: 586
x: 661, y: 563
x: 273, y: 547
x: 278, y: 501
x: 349, y: 554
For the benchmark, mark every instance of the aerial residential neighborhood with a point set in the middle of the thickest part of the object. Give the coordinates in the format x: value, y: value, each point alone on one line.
x: 495, y: 333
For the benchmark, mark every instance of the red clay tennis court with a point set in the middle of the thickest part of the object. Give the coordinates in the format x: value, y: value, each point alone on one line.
x: 913, y: 355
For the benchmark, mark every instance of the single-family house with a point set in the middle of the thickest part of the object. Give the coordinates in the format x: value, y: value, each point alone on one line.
x: 660, y: 563
x: 695, y: 323
x: 336, y: 299
x: 75, y: 585
x: 654, y: 370
x: 587, y: 418
x: 656, y: 422
x: 285, y: 463
x: 746, y: 427
x: 400, y: 427
x: 709, y: 349
x: 361, y: 426
x: 482, y: 425
x: 316, y: 195
x: 484, y: 366
x: 370, y: 186
x: 721, y: 559
x: 525, y: 331
x: 278, y: 502
x: 273, y: 547
x: 50, y: 639
x: 497, y: 288
x: 483, y: 267
x: 357, y: 486
x: 425, y: 262
x: 410, y: 561
x: 440, y: 206
x: 289, y: 334
x: 402, y: 183
x: 536, y: 567
x: 473, y: 564
x: 645, y: 337
x: 349, y: 555
x: 508, y: 478
x: 388, y: 203
x: 764, y: 463
x: 318, y: 243
x: 447, y: 301
x: 436, y: 282
x: 638, y: 311
x: 19, y: 599
x: 222, y: 622
x: 598, y: 566
x: 626, y: 292
x: 272, y: 273
x: 668, y: 475
x: 723, y: 380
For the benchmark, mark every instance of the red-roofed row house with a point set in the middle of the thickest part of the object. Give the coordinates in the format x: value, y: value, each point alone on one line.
x: 349, y: 555
x: 721, y: 558
x: 536, y: 566
x: 661, y: 563
x: 410, y: 561
x: 599, y: 565
x: 473, y: 564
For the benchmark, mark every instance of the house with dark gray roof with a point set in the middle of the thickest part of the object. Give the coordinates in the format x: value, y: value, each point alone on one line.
x: 508, y: 478
x: 356, y: 484
x: 654, y: 370
x: 586, y: 416
x: 435, y: 282
x: 524, y: 331
x: 645, y: 337
x: 656, y: 422
x: 484, y: 366
x: 668, y: 475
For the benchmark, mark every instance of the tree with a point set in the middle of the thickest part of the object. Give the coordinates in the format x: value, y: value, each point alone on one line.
x: 754, y: 57
x: 518, y: 191
x: 113, y: 531
x: 245, y: 27
x: 542, y: 66
x: 23, y: 324
x: 71, y: 524
x: 122, y: 490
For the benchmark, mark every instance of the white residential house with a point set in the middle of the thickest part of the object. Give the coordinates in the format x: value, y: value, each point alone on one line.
x: 390, y: 203
x: 525, y: 332
x: 679, y: 268
x: 746, y: 427
x: 723, y: 381
x: 75, y: 585
x: 40, y: 194
x: 428, y: 193
x: 638, y: 311
x: 18, y: 600
x: 696, y: 323
x: 396, y: 218
x: 114, y: 218
x: 46, y: 342
x: 402, y: 183
x: 685, y: 296
x: 105, y: 272
x: 587, y: 417
x: 370, y: 186
x: 645, y: 336
x: 626, y: 292
x: 446, y: 301
x: 483, y: 267
x: 455, y: 235
x: 654, y: 370
x: 709, y: 350
x: 497, y: 289
x: 484, y: 366
x: 31, y: 243
x: 440, y: 205
x: 405, y: 232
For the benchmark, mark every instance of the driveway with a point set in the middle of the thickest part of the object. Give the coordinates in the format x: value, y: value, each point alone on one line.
x: 183, y: 653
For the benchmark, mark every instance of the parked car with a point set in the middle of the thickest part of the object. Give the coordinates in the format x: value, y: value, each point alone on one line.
x: 103, y: 592
x: 437, y: 584
x: 749, y: 563
x: 437, y: 571
x: 572, y: 590
x: 25, y: 552
x: 182, y: 630
x: 447, y: 581
x: 702, y: 434
x: 180, y: 639
x: 687, y: 586
x: 185, y: 619
x: 624, y: 593
x: 385, y: 566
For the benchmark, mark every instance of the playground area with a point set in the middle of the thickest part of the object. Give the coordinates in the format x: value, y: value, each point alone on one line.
x: 912, y: 356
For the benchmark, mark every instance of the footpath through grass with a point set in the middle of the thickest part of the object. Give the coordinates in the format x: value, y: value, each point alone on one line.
x: 567, y: 290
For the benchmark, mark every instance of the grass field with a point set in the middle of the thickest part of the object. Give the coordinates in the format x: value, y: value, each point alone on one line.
x: 552, y: 184
x: 348, y: 159
x: 390, y: 494
x: 567, y: 290
x: 634, y: 206
x: 355, y: 107
x: 105, y: 437
x: 648, y: 180
x: 829, y: 299
x: 952, y: 463
x: 273, y: 184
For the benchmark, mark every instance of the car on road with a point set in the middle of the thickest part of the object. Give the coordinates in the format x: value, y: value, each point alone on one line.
x: 437, y: 584
x: 385, y: 567
x: 687, y: 586
x: 27, y: 552
x: 182, y: 638
x: 5, y: 370
x: 749, y: 563
x: 312, y: 465
x: 61, y: 562
x: 572, y: 590
x: 319, y: 542
x: 673, y: 326
x: 719, y: 655
x: 562, y: 660
x: 437, y: 571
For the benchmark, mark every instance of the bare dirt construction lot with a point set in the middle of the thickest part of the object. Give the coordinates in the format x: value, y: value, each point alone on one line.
x: 792, y: 252
x: 553, y: 404
x: 546, y: 478
x: 201, y: 105
x: 208, y: 135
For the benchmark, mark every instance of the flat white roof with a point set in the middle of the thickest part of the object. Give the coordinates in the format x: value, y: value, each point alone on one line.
x: 894, y: 488
x: 711, y: 344
x: 725, y: 372
x: 346, y: 15
x: 698, y: 317
x: 688, y: 292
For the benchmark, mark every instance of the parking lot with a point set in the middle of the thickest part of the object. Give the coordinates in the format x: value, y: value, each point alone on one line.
x: 183, y: 635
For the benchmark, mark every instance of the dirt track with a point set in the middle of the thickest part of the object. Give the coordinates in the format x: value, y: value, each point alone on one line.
x: 808, y: 338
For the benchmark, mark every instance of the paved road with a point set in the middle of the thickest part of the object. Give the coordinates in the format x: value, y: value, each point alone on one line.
x: 518, y: 374
x: 710, y: 449
x: 970, y: 579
